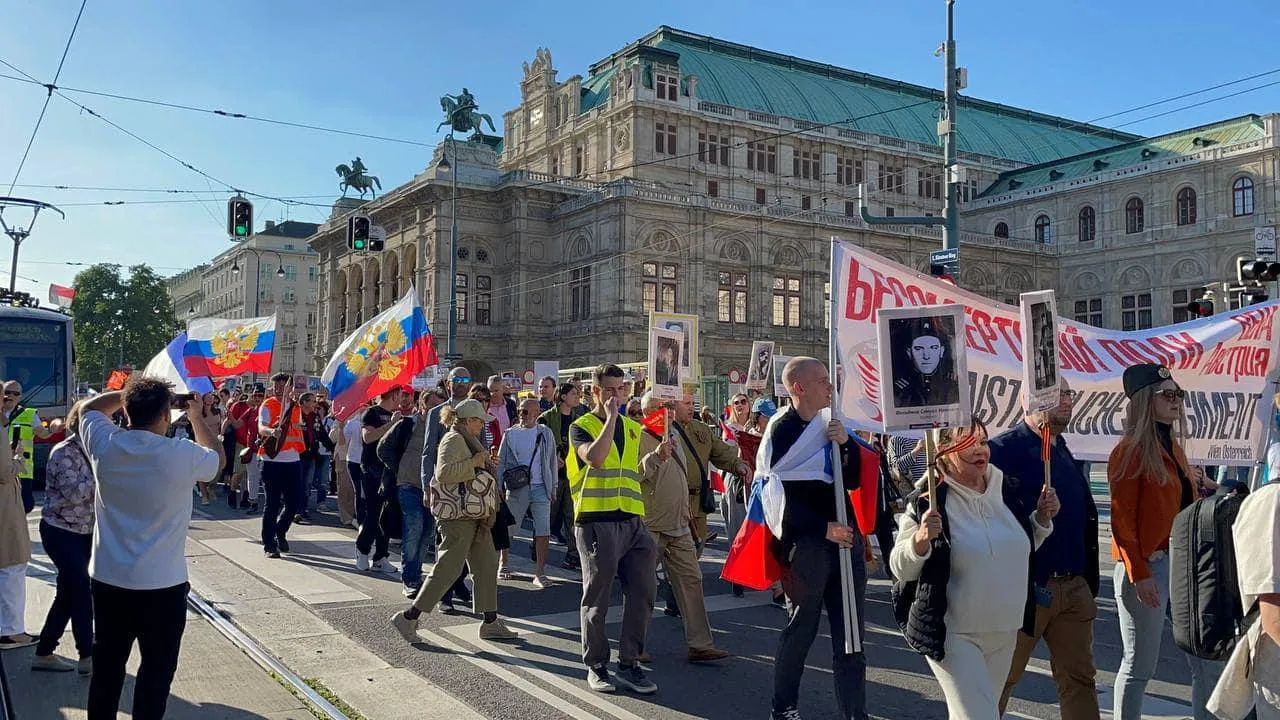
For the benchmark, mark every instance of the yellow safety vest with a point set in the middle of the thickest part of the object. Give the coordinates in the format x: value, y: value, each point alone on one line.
x: 21, y: 424
x: 616, y: 486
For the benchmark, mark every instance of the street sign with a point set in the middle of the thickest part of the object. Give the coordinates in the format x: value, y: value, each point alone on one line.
x: 1264, y: 242
x: 378, y: 233
x: 945, y: 264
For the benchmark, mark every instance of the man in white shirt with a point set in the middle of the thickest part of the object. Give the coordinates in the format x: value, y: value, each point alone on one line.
x: 1257, y: 544
x: 533, y: 446
x: 143, y: 507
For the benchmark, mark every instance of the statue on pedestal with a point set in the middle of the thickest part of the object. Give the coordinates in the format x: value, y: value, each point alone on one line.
x: 461, y: 114
x: 356, y: 177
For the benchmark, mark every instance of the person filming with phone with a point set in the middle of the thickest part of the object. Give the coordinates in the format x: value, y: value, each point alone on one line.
x: 142, y: 508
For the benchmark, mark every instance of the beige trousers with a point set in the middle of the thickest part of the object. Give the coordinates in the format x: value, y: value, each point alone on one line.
x: 679, y: 557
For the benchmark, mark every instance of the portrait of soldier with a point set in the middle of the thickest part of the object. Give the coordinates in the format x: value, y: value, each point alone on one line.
x: 923, y: 367
x: 1045, y: 358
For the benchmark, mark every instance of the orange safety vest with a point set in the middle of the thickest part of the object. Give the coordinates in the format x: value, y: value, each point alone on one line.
x: 293, y: 438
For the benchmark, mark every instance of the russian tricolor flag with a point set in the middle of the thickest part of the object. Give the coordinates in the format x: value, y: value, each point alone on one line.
x: 168, y: 365
x: 223, y: 347
x: 385, y: 352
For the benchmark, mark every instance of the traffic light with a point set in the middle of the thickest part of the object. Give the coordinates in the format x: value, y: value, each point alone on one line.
x: 239, y: 218
x: 1203, y: 306
x: 1250, y: 271
x: 358, y: 233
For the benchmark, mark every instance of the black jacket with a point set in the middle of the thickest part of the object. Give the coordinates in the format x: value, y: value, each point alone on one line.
x: 920, y: 606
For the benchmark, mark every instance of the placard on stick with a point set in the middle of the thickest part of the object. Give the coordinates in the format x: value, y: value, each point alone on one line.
x: 923, y: 369
x: 760, y: 366
x: 666, y: 349
x: 1040, y: 369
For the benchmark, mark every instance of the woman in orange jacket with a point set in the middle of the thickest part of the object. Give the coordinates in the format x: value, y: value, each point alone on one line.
x: 1151, y: 481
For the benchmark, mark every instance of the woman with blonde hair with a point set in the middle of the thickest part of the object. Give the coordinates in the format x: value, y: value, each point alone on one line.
x: 464, y: 469
x: 964, y: 572
x: 1151, y: 482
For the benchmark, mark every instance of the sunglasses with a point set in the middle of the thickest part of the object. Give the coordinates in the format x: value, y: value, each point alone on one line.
x: 461, y: 380
x: 740, y: 402
x: 1173, y: 394
x: 13, y: 393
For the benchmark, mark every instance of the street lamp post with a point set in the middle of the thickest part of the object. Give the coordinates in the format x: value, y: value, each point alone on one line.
x: 444, y: 166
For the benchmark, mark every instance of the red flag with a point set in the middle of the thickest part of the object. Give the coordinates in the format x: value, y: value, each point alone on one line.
x: 656, y: 422
x: 117, y: 379
x: 866, y: 498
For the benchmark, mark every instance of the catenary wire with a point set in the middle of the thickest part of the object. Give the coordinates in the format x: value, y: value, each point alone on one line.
x: 48, y: 95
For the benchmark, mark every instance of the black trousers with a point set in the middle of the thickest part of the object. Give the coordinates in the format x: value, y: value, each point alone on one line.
x: 884, y: 535
x: 562, y: 517
x: 812, y: 582
x: 357, y: 484
x: 281, y: 481
x: 73, y: 599
x: 156, y: 619
x: 373, y: 534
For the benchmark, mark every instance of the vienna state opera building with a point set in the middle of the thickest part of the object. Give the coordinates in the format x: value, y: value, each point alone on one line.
x: 687, y: 174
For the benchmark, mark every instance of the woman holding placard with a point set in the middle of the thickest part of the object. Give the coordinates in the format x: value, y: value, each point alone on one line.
x: 963, y: 567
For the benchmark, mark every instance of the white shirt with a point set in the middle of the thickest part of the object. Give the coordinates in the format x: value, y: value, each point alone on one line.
x: 522, y: 440
x: 1257, y: 543
x: 355, y: 445
x: 142, y: 503
x: 990, y: 556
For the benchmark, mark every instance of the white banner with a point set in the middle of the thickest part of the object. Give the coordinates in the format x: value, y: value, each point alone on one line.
x: 1225, y: 362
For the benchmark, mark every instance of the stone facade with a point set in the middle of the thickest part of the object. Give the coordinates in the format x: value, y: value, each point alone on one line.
x: 625, y: 193
x: 186, y: 293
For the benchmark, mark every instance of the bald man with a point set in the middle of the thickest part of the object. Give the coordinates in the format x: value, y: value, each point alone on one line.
x: 795, y: 444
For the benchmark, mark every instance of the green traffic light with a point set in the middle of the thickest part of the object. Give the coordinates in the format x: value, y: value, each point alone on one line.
x: 241, y: 231
x: 359, y: 244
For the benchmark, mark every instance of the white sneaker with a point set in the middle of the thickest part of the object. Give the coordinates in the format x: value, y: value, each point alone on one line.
x: 407, y: 628
x: 504, y: 573
x: 355, y: 523
x: 362, y: 561
x: 384, y: 566
x: 541, y: 582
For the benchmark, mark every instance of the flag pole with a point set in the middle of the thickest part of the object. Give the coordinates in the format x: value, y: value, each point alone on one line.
x: 1046, y: 449
x: 852, y: 638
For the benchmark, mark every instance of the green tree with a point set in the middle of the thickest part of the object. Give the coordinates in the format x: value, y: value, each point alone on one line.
x: 119, y: 321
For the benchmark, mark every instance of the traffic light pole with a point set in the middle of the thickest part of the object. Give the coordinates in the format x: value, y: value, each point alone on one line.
x: 950, y: 220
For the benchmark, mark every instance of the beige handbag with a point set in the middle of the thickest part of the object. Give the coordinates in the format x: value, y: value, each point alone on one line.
x: 475, y: 499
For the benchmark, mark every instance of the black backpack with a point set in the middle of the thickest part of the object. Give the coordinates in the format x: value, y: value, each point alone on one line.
x: 1204, y: 594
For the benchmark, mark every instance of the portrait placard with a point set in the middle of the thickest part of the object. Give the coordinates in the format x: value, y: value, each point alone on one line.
x: 666, y: 348
x: 760, y: 366
x: 1039, y: 311
x: 923, y: 373
x: 688, y: 326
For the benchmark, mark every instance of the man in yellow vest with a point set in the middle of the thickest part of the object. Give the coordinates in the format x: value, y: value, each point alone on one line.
x: 604, y: 479
x: 22, y: 426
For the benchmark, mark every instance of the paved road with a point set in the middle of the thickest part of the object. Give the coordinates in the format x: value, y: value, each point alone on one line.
x: 541, y: 675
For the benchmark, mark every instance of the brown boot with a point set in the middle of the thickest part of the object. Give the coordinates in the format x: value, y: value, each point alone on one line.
x: 710, y: 654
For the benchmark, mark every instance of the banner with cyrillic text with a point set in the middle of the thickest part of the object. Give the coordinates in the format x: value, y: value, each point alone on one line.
x: 1226, y: 362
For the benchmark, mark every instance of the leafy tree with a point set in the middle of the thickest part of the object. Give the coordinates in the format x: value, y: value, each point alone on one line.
x: 119, y: 321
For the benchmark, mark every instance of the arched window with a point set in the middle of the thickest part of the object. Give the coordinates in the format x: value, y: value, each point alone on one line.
x: 1242, y: 197
x: 1134, y: 220
x: 1186, y: 206
x: 1088, y: 226
x: 1044, y: 233
x: 1002, y: 230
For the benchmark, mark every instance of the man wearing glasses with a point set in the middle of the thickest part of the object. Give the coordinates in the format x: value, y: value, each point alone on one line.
x: 23, y: 426
x: 1066, y: 565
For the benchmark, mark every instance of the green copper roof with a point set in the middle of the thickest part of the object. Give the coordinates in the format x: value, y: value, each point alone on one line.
x: 745, y: 77
x: 1177, y: 144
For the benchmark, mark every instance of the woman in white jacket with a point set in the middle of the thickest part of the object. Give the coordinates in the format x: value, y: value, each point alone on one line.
x: 967, y: 620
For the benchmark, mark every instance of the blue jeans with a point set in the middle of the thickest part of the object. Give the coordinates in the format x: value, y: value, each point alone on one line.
x: 317, y: 481
x: 1141, y: 631
x: 301, y: 491
x: 419, y: 534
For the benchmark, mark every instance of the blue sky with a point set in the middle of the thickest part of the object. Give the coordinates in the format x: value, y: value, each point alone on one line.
x: 380, y: 67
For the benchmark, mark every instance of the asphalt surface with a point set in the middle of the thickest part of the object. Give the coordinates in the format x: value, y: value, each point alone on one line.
x: 541, y: 675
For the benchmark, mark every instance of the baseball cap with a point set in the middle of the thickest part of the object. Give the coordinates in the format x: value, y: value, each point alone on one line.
x: 765, y: 407
x: 468, y: 409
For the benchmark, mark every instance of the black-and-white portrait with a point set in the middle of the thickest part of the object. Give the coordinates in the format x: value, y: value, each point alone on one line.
x: 760, y: 365
x: 1044, y: 351
x: 923, y: 367
x: 667, y: 363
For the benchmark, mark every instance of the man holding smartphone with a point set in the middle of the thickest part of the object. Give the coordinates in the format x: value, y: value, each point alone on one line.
x: 138, y: 568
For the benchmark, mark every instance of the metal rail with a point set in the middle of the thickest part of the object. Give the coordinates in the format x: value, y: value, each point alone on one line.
x: 261, y: 656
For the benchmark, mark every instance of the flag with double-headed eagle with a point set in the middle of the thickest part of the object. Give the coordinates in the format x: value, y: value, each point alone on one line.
x: 385, y: 352
x: 224, y: 347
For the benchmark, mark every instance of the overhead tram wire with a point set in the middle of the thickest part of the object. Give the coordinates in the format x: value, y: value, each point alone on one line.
x: 48, y: 95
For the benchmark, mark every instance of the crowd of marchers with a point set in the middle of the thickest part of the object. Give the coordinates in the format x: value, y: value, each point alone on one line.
x: 1003, y: 554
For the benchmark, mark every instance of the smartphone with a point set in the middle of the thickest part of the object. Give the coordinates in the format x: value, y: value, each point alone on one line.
x: 179, y: 401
